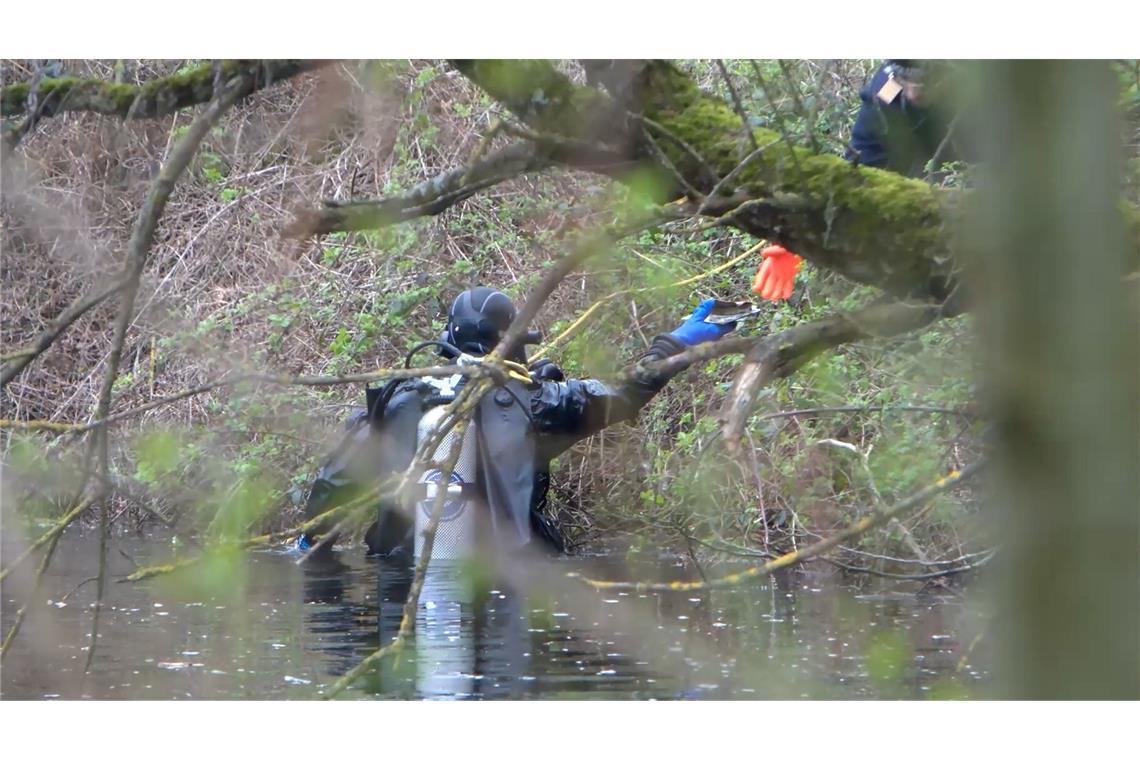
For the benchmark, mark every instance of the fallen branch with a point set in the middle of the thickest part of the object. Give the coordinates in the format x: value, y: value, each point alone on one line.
x: 861, y: 526
x: 910, y: 577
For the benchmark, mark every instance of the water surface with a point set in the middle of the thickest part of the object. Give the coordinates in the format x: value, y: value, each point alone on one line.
x: 266, y: 628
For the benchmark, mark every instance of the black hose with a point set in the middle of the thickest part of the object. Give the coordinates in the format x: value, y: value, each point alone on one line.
x: 445, y: 348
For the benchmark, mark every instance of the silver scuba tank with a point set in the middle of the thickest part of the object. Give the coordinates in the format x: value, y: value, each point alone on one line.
x: 445, y: 657
x: 455, y: 536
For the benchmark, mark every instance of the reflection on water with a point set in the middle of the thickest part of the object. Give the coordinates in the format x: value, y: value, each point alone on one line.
x: 287, y: 631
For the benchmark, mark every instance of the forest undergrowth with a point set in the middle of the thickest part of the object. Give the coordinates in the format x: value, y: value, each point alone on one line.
x: 856, y: 428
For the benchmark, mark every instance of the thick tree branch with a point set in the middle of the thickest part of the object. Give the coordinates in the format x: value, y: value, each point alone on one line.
x: 547, y: 101
x: 798, y: 344
x: 436, y: 195
x: 872, y: 226
x: 150, y: 100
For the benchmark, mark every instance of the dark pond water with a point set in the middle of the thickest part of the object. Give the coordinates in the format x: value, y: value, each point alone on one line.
x: 266, y: 628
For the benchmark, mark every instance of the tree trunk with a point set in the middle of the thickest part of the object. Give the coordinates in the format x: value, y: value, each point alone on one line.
x: 1062, y: 370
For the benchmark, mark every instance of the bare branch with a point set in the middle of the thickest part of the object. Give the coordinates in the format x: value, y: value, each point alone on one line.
x: 138, y: 249
x: 781, y: 354
x: 428, y: 198
x: 253, y: 378
x: 737, y: 104
x: 436, y: 195
x: 17, y: 360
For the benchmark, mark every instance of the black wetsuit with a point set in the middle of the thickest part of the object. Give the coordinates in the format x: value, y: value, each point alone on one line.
x: 516, y: 447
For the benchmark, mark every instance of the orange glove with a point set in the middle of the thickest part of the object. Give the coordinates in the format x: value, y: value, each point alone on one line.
x: 777, y: 273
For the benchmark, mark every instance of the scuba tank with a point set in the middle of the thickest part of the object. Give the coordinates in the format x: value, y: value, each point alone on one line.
x: 445, y: 655
x: 455, y: 535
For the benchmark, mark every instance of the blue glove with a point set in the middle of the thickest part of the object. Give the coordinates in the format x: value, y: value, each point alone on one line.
x: 695, y: 330
x: 303, y: 543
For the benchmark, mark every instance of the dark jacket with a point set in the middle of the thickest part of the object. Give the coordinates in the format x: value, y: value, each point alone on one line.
x: 900, y: 136
x: 516, y: 446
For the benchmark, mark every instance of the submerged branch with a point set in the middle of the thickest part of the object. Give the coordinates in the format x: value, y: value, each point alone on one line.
x: 49, y: 535
x: 861, y: 526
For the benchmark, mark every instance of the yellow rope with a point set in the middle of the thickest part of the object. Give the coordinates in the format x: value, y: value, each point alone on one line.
x: 862, y: 525
x: 566, y: 333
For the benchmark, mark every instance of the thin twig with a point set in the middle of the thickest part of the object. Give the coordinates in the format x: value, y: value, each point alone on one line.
x: 710, y: 174
x: 875, y: 408
x: 665, y: 161
x: 794, y: 91
x: 737, y: 104
x: 780, y: 126
x: 728, y: 178
x: 906, y: 577
x: 137, y: 252
x: 252, y: 378
x: 411, y: 603
x: 80, y: 306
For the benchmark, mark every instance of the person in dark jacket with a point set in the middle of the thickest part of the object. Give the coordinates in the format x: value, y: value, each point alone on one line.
x: 517, y: 429
x: 898, y: 127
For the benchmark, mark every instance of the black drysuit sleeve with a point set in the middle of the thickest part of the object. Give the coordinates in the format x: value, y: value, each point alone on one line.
x: 566, y: 412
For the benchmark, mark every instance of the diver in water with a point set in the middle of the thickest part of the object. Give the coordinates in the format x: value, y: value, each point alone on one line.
x: 499, y: 483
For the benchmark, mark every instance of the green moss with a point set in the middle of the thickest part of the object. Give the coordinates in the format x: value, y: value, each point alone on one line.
x: 156, y: 97
x: 874, y: 226
x: 536, y: 91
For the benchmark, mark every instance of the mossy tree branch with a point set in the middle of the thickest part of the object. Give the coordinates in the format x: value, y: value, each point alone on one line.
x: 872, y: 226
x: 149, y: 100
